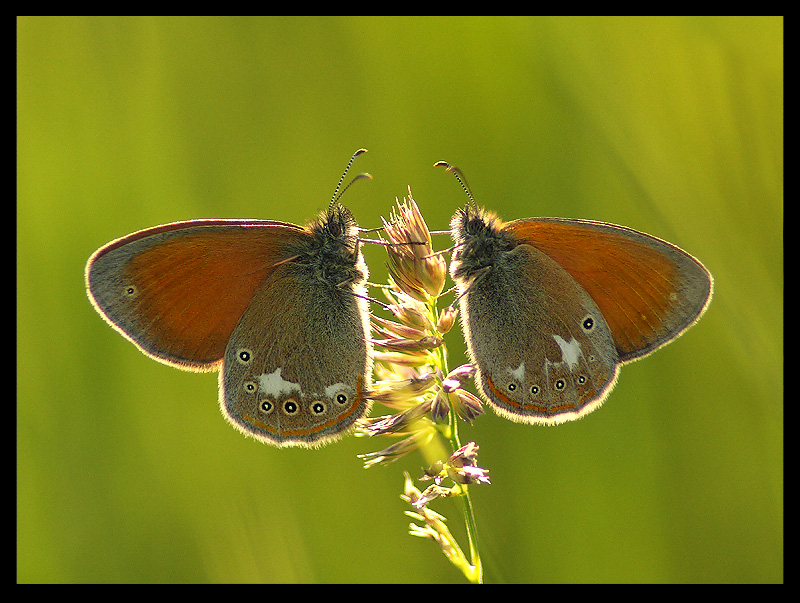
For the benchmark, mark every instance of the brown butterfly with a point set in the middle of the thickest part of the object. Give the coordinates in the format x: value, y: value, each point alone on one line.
x: 551, y: 308
x: 280, y: 310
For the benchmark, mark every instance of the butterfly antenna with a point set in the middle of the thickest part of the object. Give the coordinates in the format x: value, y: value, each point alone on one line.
x: 336, y: 194
x: 460, y: 177
x: 361, y: 176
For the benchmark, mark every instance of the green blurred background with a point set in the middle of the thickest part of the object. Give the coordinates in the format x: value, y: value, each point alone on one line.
x: 126, y: 470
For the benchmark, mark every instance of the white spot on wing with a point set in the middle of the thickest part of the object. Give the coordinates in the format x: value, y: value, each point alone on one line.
x: 570, y: 351
x: 518, y: 373
x: 335, y: 389
x: 276, y: 385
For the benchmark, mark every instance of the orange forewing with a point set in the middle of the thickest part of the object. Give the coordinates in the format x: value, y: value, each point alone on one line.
x: 633, y: 278
x: 195, y: 281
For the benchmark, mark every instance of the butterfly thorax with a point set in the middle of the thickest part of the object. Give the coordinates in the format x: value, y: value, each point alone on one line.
x: 480, y: 241
x: 332, y: 252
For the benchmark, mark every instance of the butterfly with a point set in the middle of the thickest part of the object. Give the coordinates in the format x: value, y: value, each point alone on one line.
x: 279, y: 309
x: 551, y: 308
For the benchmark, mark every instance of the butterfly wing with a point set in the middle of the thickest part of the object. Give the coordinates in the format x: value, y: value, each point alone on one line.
x: 543, y: 351
x: 298, y: 363
x: 648, y: 290
x: 177, y: 291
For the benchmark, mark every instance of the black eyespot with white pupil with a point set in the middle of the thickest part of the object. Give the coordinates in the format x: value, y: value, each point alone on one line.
x: 250, y: 387
x: 290, y: 407
x: 266, y: 406
x: 318, y: 408
x: 512, y: 387
x: 587, y: 323
x: 534, y: 390
x: 581, y: 379
x: 341, y: 398
x: 560, y: 384
x: 244, y: 356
